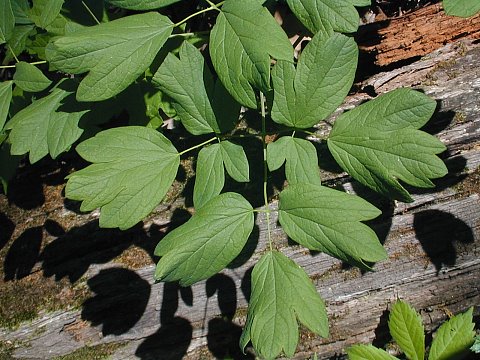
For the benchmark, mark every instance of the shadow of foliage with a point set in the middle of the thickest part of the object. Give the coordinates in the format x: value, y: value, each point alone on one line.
x: 23, y: 254
x: 223, y: 336
x: 121, y: 297
x: 173, y: 338
x: 438, y: 232
x: 6, y: 229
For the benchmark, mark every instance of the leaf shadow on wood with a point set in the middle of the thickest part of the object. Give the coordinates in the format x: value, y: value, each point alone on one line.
x: 23, y: 254
x: 382, y: 332
x: 442, y: 236
x: 173, y: 338
x: 223, y: 335
x: 7, y: 227
x: 71, y: 254
x: 120, y: 299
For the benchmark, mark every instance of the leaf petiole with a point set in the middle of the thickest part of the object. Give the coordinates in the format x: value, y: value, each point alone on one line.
x: 13, y: 66
x: 90, y: 12
x: 197, y: 146
x: 213, y: 7
x: 15, y: 56
x: 265, y: 168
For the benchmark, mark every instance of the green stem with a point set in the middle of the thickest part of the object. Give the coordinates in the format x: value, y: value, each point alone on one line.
x: 15, y: 56
x: 214, y: 7
x: 12, y: 66
x: 91, y: 13
x: 188, y: 34
x: 197, y: 146
x: 265, y: 170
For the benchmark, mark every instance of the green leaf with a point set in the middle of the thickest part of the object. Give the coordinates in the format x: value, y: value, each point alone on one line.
x: 301, y: 160
x: 30, y: 78
x: 113, y: 62
x: 407, y: 330
x: 29, y: 127
x: 235, y: 160
x: 5, y: 98
x: 206, y: 243
x: 18, y: 41
x: 324, y: 75
x: 63, y: 131
x: 378, y: 143
x: 316, y: 15
x: 210, y: 175
x: 44, y: 12
x: 281, y: 293
x: 142, y: 4
x: 133, y: 169
x: 242, y: 59
x: 7, y: 21
x: 476, y: 346
x: 328, y: 220
x: 462, y: 8
x: 21, y: 10
x: 189, y: 83
x: 361, y: 3
x: 368, y: 352
x: 454, y: 338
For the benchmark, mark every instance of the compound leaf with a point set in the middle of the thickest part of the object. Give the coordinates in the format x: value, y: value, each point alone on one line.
x: 407, y: 330
x: 454, y: 337
x: 7, y: 21
x: 142, y: 4
x: 133, y: 168
x: 324, y: 75
x: 301, y: 160
x: 378, y: 143
x: 240, y: 57
x: 30, y: 78
x: 368, y: 352
x: 189, y: 83
x: 44, y: 12
x: 113, y: 62
x: 30, y: 126
x: 206, y: 243
x: 461, y: 8
x: 316, y: 15
x: 235, y: 160
x: 5, y: 98
x: 281, y: 293
x: 329, y: 220
x: 210, y: 175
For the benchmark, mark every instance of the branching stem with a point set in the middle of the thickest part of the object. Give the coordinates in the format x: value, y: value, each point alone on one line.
x: 197, y: 146
x: 212, y: 7
x: 13, y: 53
x: 90, y: 12
x: 265, y: 170
x: 33, y: 63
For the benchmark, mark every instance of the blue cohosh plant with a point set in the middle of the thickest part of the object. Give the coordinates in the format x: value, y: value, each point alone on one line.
x: 105, y: 57
x: 454, y: 339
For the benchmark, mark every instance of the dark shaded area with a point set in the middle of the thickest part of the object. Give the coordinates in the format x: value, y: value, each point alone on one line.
x: 438, y: 232
x: 171, y: 341
x: 382, y: 332
x: 6, y: 229
x: 72, y: 254
x: 223, y: 336
x: 440, y: 120
x: 246, y: 285
x: 120, y: 301
x: 23, y: 254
